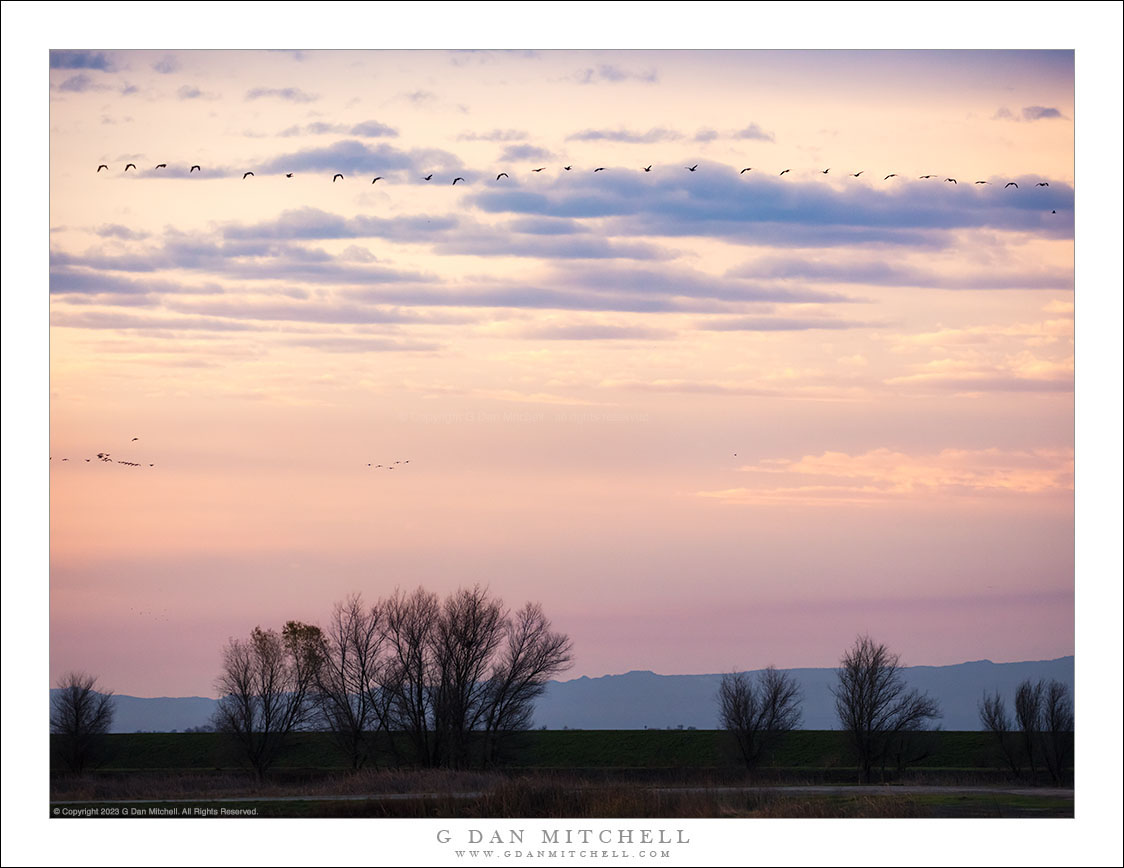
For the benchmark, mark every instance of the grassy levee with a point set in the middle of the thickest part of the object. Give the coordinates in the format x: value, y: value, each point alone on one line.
x: 823, y: 753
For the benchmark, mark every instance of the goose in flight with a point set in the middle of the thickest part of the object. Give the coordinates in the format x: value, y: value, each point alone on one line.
x: 952, y: 180
x: 566, y: 168
x: 647, y: 168
x: 786, y: 170
x: 161, y: 166
x: 691, y: 168
x: 379, y: 178
x: 825, y: 171
x: 891, y: 175
x: 981, y: 182
x: 923, y: 177
x: 856, y: 174
x: 427, y: 177
x: 193, y: 169
x: 337, y: 177
x: 747, y: 169
x: 247, y: 175
x: 501, y: 175
x: 1010, y: 184
x: 602, y: 169
x: 103, y: 166
x: 130, y: 166
x: 457, y: 179
x: 538, y: 170
x: 1042, y: 184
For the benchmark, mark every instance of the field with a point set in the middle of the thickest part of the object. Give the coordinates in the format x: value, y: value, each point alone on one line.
x: 571, y: 773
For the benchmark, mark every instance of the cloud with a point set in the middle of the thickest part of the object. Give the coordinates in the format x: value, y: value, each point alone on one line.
x: 656, y: 134
x: 373, y: 130
x: 188, y: 91
x: 1038, y: 113
x: 591, y: 332
x: 780, y: 324
x: 496, y: 135
x: 607, y: 72
x: 352, y: 344
x: 420, y: 97
x: 525, y: 152
x: 116, y: 230
x: 81, y: 60
x: 884, y: 474
x: 167, y: 64
x: 753, y: 131
x: 354, y: 156
x: 79, y: 83
x: 290, y: 94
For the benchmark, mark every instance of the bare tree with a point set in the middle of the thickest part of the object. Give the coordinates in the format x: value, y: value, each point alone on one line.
x: 80, y: 716
x: 874, y: 704
x: 349, y: 701
x: 264, y: 689
x: 1028, y: 715
x: 410, y: 675
x: 996, y: 720
x: 532, y: 654
x: 1057, y: 726
x: 758, y: 711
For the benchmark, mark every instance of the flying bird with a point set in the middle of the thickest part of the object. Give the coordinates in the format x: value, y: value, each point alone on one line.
x: 648, y: 169
x: 743, y: 171
x: 538, y: 170
x: 691, y: 168
x: 825, y: 171
x: 856, y: 174
x: 1010, y: 184
x: 923, y: 177
x: 786, y: 170
x: 602, y: 169
x: 891, y: 175
x: 459, y: 179
x: 947, y: 180
x: 566, y: 168
x: 288, y: 174
x: 427, y: 177
x: 161, y: 166
x: 103, y: 166
x: 1042, y: 184
x: 501, y: 175
x: 379, y: 178
x: 134, y: 440
x: 336, y: 176
x: 130, y: 166
x: 981, y: 182
x: 193, y: 168
x: 247, y: 175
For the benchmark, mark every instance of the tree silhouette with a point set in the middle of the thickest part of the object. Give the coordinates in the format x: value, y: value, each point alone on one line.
x: 758, y: 710
x: 80, y: 716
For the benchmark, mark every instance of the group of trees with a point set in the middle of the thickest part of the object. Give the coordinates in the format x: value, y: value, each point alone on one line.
x: 450, y: 678
x: 1041, y: 732
x: 882, y: 716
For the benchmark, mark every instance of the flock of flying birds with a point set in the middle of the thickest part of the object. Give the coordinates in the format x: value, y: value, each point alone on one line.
x: 106, y: 458
x: 339, y: 176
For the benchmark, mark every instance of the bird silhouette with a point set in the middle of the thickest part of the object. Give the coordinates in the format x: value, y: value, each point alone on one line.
x: 785, y: 171
x: 981, y: 182
x: 748, y: 169
x: 459, y: 179
x: 691, y: 168
x: 891, y: 175
x: 825, y: 171
x: 566, y: 168
x: 379, y: 178
x: 247, y: 175
x: 134, y: 440
x: 501, y: 175
x: 923, y: 177
x: 538, y: 170
x: 161, y: 166
x: 130, y: 166
x: 102, y: 166
x: 856, y: 174
x: 1010, y: 184
x: 288, y: 174
x: 1042, y: 184
x: 648, y: 169
x: 950, y: 180
x: 337, y: 177
x: 194, y: 169
x: 602, y: 169
x: 427, y: 177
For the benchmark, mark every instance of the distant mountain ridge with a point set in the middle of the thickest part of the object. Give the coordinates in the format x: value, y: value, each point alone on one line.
x: 643, y: 699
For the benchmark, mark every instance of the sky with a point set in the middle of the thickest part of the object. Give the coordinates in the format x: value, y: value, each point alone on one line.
x: 709, y: 420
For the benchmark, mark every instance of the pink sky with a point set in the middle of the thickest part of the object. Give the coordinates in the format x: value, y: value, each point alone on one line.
x: 709, y: 419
